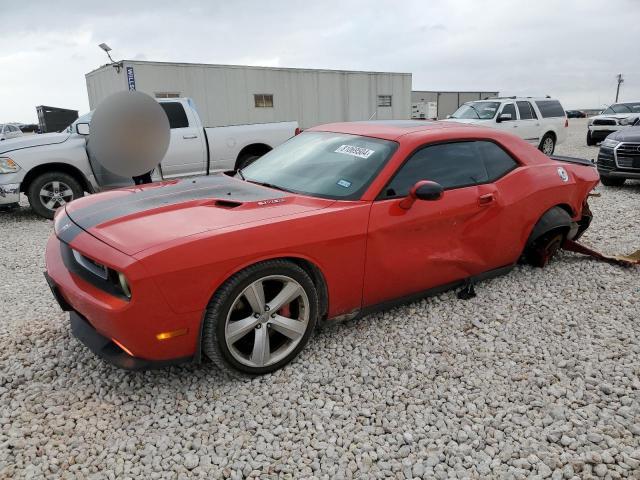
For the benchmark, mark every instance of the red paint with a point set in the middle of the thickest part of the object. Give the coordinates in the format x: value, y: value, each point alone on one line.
x: 368, y: 251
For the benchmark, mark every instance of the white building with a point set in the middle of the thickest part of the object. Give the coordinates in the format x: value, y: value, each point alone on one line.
x: 233, y: 94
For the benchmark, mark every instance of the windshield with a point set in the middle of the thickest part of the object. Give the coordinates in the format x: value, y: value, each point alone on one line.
x: 623, y: 108
x: 322, y: 164
x: 86, y: 118
x: 477, y: 110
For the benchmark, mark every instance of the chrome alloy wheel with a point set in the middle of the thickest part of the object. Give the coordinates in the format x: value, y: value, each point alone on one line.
x: 55, y: 194
x: 267, y: 321
x: 547, y: 146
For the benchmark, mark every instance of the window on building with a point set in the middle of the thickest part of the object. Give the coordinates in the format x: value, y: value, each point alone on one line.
x: 176, y: 114
x: 167, y: 94
x: 263, y: 100
x: 384, y: 100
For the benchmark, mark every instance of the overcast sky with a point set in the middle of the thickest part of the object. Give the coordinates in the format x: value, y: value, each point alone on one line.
x: 569, y: 49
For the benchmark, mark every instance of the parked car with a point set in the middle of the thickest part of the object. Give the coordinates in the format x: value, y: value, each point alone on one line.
x: 619, y: 156
x: 575, y: 114
x: 337, y: 222
x: 8, y: 131
x: 612, y: 119
x: 541, y: 122
x: 55, y: 168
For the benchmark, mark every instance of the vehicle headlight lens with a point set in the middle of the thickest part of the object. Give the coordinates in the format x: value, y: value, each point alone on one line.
x: 124, y: 285
x: 627, y: 121
x: 609, y: 143
x: 7, y: 165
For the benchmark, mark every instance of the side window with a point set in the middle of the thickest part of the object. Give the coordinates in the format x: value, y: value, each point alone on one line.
x: 550, y: 108
x: 525, y: 110
x: 176, y: 114
x: 509, y: 108
x: 496, y: 161
x: 452, y: 165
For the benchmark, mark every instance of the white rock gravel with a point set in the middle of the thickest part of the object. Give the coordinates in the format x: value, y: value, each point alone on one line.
x: 536, y: 377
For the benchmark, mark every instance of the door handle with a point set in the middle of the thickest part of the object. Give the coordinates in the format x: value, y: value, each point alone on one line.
x: 486, y: 199
x: 189, y: 137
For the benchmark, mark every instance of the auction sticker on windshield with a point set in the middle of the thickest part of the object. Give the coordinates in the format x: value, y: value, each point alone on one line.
x: 355, y: 151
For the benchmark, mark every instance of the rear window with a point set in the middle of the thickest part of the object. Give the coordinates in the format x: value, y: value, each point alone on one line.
x: 176, y: 114
x: 550, y: 108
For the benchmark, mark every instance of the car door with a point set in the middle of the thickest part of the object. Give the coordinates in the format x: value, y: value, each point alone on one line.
x: 433, y: 243
x: 528, y: 125
x: 508, y: 125
x: 187, y: 150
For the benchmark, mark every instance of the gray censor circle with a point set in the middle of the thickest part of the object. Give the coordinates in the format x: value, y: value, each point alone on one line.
x: 129, y: 133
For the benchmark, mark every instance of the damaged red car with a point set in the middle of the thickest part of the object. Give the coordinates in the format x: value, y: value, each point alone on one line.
x: 344, y: 219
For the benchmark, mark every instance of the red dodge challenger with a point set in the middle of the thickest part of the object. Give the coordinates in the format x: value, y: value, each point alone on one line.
x: 339, y: 221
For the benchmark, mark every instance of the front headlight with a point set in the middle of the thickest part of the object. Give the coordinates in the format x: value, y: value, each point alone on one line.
x: 627, y: 120
x: 8, y: 166
x: 609, y: 143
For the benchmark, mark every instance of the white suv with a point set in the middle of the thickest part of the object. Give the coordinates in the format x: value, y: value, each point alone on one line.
x: 614, y: 118
x: 540, y: 121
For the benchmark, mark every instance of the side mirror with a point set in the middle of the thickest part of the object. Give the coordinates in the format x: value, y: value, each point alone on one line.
x: 82, y: 128
x: 423, y: 190
x: 503, y: 117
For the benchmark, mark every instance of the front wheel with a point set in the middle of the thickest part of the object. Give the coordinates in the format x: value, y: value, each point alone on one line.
x: 590, y: 141
x: 52, y: 190
x: 261, y: 318
x: 547, y: 144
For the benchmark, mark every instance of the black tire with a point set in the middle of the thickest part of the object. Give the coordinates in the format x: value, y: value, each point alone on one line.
x: 547, y: 144
x: 590, y: 141
x: 214, y: 344
x: 612, y: 181
x: 42, y: 182
x: 543, y: 249
x: 245, y: 160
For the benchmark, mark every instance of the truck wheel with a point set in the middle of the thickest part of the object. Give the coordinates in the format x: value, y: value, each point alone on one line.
x: 590, y: 141
x: 52, y: 190
x: 260, y: 318
x: 246, y: 160
x: 547, y: 144
x: 612, y: 181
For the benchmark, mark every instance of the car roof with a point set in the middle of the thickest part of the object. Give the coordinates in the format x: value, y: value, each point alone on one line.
x: 389, y: 129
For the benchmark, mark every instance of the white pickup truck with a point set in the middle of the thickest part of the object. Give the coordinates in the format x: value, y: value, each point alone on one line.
x: 52, y: 169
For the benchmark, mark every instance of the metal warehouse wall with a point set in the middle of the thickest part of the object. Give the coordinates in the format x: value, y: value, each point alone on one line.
x: 448, y: 102
x: 224, y: 94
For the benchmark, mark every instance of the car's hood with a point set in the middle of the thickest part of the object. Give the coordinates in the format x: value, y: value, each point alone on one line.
x: 617, y: 116
x: 631, y: 134
x: 138, y: 218
x: 477, y: 121
x: 27, y: 141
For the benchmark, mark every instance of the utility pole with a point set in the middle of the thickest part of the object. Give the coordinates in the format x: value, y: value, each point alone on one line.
x: 620, y: 80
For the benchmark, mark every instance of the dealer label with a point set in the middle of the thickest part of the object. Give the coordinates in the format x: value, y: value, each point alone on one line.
x: 355, y: 151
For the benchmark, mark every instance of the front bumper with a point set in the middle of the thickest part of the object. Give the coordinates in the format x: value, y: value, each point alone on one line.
x: 121, y: 332
x: 9, y: 193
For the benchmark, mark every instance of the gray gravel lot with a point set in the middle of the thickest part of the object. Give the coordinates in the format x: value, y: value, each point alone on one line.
x: 536, y: 377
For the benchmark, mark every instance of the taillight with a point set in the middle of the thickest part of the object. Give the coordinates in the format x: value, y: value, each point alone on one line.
x: 566, y: 122
x: 298, y: 131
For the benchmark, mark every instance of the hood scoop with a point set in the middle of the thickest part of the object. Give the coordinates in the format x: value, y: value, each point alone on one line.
x: 227, y: 204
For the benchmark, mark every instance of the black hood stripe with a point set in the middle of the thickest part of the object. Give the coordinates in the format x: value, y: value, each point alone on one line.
x: 219, y: 186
